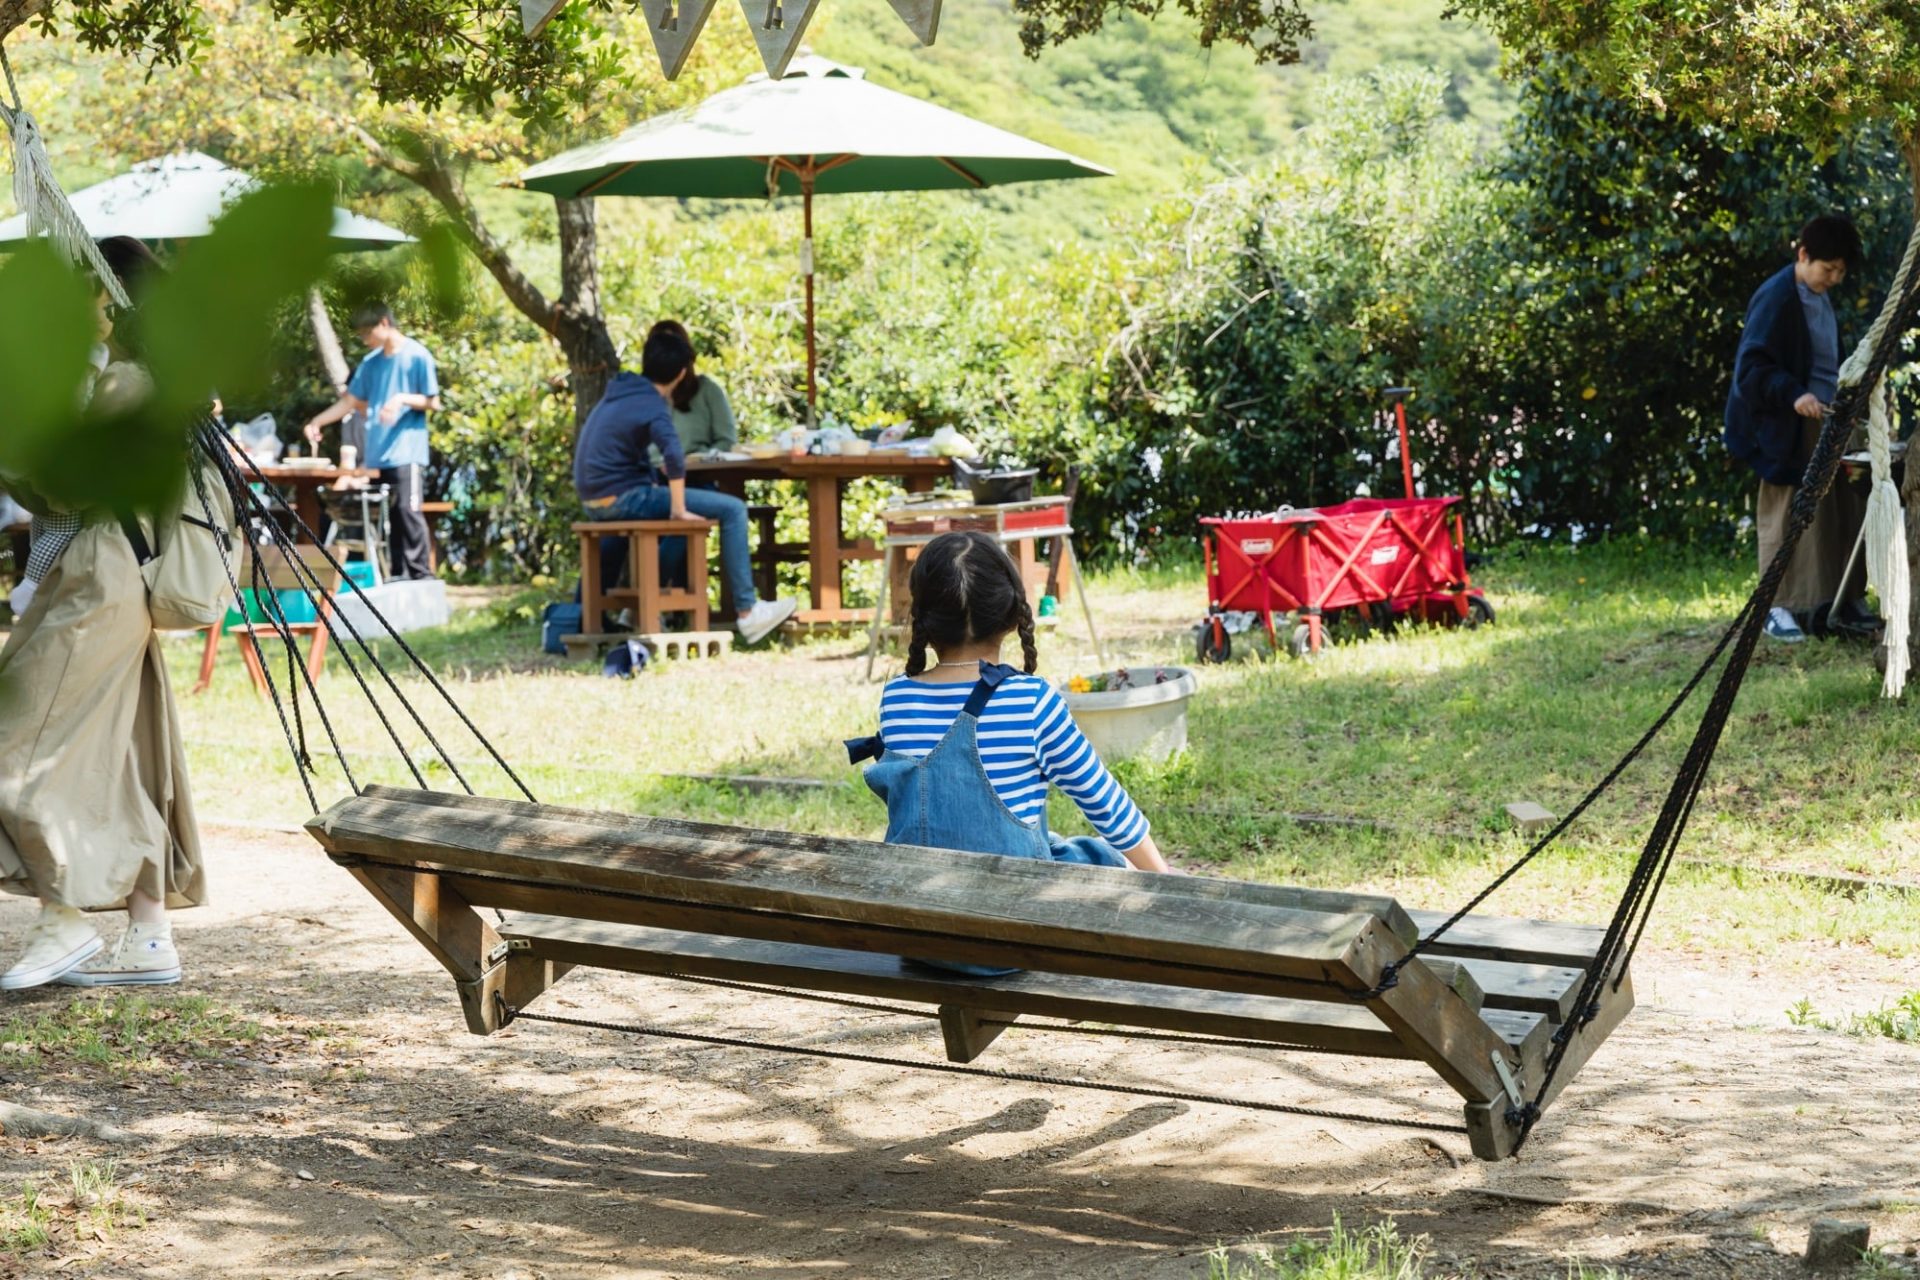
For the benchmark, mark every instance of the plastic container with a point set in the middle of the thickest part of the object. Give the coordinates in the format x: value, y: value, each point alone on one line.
x: 990, y: 487
x: 1148, y: 719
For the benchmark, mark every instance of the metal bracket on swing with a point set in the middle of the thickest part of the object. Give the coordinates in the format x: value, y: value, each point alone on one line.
x: 1508, y: 1081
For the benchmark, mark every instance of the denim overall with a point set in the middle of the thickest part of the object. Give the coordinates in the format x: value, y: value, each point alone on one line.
x: 944, y: 800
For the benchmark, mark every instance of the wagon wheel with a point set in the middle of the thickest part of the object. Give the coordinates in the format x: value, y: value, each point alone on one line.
x: 1212, y: 641
x: 1479, y: 613
x: 1300, y: 643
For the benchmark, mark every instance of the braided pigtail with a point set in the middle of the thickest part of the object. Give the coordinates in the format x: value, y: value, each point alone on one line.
x: 1029, y: 651
x: 916, y: 648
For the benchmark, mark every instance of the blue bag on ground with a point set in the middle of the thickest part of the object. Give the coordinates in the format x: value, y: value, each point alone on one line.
x: 558, y: 620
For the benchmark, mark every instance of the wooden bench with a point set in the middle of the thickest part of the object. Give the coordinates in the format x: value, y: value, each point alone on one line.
x: 1290, y: 966
x: 769, y: 553
x: 277, y: 573
x: 645, y: 594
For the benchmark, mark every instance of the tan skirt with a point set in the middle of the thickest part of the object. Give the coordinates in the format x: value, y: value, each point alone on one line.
x: 1813, y: 575
x: 94, y: 800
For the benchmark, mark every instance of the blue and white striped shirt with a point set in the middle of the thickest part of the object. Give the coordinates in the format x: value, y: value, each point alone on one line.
x: 1027, y: 739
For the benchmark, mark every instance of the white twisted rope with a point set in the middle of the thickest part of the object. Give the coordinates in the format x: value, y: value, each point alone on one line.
x: 1886, y: 534
x: 37, y: 193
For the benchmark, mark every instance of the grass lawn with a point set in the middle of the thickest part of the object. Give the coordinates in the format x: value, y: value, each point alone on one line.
x: 1428, y: 732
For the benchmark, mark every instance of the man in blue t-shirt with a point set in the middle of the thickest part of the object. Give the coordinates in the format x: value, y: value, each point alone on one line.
x: 394, y: 388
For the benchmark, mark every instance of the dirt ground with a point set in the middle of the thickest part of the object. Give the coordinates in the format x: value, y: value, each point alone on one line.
x: 1699, y: 1143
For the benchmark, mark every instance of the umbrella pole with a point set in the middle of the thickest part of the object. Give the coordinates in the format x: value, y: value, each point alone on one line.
x: 806, y: 267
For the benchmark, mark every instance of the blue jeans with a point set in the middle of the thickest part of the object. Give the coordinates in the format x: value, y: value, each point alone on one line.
x: 654, y: 502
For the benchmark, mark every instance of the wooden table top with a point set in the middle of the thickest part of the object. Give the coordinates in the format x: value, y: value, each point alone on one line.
x: 807, y: 466
x: 281, y: 473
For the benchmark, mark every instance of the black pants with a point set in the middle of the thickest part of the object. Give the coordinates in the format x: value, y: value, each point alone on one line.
x: 408, y: 525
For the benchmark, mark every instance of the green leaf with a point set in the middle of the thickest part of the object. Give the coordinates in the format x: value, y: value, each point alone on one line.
x: 46, y: 326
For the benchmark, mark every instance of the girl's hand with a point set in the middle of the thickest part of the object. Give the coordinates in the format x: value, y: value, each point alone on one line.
x: 1145, y: 856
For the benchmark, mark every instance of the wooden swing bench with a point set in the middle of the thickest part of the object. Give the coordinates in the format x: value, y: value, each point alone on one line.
x: 1186, y: 954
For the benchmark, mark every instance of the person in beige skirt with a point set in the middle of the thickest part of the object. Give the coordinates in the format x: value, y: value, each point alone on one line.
x: 95, y: 810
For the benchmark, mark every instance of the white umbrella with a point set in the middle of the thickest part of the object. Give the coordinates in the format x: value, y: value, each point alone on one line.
x: 179, y: 197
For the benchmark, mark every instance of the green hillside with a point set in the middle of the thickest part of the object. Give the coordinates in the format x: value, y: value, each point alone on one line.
x: 1141, y: 97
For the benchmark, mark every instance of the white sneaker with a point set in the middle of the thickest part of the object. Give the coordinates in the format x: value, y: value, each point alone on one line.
x: 61, y: 939
x: 144, y: 957
x: 764, y: 618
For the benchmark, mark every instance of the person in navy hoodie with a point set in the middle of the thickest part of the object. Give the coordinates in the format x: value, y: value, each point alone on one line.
x: 615, y: 478
x: 1785, y: 377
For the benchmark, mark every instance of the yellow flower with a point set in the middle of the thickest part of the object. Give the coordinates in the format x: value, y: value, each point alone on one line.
x: 1079, y: 684
x: 1589, y: 393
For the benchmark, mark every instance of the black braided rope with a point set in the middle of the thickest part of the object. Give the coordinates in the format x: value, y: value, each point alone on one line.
x: 419, y: 664
x: 280, y: 540
x: 1063, y: 1028
x: 1663, y: 841
x: 985, y: 1073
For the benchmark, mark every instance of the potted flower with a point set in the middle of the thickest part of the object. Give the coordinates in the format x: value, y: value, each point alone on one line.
x: 1139, y: 711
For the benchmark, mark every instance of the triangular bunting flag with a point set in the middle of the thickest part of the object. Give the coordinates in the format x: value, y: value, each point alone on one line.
x: 777, y: 27
x: 921, y: 16
x: 536, y: 14
x: 675, y: 25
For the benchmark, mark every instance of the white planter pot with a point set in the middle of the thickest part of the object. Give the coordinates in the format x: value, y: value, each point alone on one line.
x: 1148, y: 720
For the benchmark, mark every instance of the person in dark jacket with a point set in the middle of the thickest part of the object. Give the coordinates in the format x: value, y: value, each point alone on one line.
x: 1785, y: 377
x: 615, y: 477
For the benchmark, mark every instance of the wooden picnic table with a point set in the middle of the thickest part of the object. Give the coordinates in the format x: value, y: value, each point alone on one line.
x: 828, y: 547
x: 307, y: 482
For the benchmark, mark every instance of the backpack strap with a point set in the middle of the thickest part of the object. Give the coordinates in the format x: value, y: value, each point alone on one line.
x: 130, y: 525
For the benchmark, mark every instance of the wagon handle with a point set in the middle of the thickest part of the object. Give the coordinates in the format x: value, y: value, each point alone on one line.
x: 1399, y: 397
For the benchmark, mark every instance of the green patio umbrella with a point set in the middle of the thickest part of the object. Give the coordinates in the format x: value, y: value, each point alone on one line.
x: 820, y: 128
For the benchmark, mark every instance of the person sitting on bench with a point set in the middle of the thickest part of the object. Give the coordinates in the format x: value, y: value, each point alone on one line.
x: 968, y: 746
x: 615, y: 478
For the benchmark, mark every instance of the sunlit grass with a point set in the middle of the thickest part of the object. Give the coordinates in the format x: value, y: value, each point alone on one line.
x: 1427, y: 732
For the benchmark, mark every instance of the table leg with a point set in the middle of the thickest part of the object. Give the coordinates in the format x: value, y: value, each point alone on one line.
x: 879, y: 611
x: 823, y: 542
x: 306, y: 502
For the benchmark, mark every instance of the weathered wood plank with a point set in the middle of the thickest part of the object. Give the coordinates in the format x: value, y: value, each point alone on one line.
x: 1347, y: 1028
x: 1457, y: 978
x: 967, y: 1032
x: 1208, y: 888
x: 1535, y: 988
x: 445, y: 923
x: 727, y: 922
x: 1518, y: 941
x: 1013, y: 901
x: 1428, y: 1017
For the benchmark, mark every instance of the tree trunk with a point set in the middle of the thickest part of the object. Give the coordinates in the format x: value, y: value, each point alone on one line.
x: 327, y: 342
x: 580, y: 326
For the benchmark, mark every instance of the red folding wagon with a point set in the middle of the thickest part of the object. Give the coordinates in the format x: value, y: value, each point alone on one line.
x: 1378, y: 558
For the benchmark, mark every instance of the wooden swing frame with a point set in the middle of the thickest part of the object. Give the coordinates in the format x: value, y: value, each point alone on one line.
x: 1292, y: 967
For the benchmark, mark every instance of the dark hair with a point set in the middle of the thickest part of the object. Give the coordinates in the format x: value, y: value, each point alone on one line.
x: 1831, y: 237
x: 966, y: 587
x: 370, y: 315
x: 689, y: 385
x: 134, y: 265
x: 131, y: 261
x: 665, y: 357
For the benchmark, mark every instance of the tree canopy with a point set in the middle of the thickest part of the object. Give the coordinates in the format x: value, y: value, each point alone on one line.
x: 1816, y: 70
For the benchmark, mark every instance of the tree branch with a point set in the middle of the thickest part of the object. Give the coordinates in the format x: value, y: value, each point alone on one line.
x: 16, y: 13
x: 438, y: 180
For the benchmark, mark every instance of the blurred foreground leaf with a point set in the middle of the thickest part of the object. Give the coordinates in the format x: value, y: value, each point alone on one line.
x: 206, y: 328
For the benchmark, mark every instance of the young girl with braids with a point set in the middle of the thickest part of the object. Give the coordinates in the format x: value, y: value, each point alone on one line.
x: 968, y: 747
